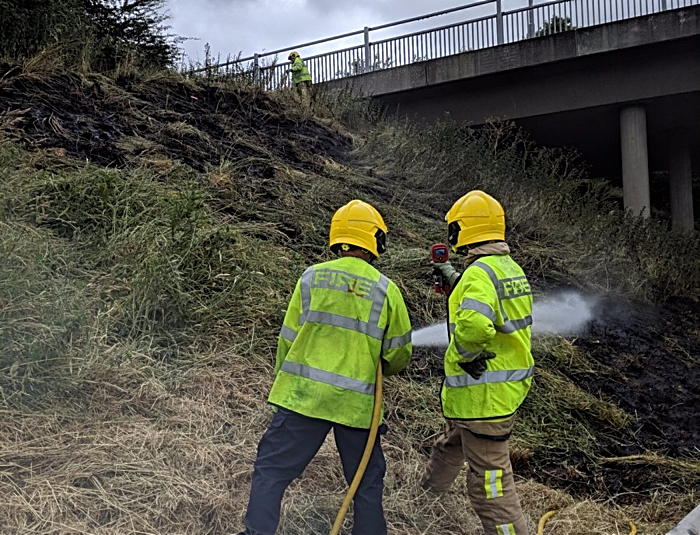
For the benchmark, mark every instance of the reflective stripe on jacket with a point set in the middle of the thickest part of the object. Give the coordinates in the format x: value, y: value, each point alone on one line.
x: 300, y: 73
x: 343, y: 316
x: 489, y: 309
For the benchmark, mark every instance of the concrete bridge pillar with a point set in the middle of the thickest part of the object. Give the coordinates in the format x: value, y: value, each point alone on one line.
x: 635, y: 161
x: 681, y: 182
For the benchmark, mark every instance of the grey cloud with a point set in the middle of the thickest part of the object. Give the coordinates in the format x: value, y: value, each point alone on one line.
x: 248, y: 26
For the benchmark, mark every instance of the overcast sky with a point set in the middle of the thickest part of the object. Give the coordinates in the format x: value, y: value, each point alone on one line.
x: 249, y: 26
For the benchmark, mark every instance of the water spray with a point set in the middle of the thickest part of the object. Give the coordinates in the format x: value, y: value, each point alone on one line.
x: 565, y: 314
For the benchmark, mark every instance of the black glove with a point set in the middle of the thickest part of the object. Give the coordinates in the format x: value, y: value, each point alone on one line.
x: 477, y: 366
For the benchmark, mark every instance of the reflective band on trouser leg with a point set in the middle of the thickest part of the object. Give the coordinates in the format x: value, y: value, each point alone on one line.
x: 497, y: 513
x: 492, y: 484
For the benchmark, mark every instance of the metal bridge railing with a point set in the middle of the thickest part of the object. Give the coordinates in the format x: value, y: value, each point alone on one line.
x: 497, y: 27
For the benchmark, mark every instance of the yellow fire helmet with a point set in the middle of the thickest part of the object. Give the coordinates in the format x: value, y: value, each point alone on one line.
x: 475, y: 218
x: 360, y: 224
x: 293, y: 55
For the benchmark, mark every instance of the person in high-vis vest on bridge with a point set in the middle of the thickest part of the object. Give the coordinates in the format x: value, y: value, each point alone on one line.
x: 488, y: 365
x: 301, y: 78
x: 344, y: 319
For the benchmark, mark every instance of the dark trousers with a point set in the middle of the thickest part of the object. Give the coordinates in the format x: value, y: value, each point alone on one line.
x: 287, y: 447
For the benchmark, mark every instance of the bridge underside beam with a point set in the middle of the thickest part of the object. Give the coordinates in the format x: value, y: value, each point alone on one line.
x: 613, y: 92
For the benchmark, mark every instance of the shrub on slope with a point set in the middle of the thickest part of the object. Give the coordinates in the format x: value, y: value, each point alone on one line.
x: 565, y: 228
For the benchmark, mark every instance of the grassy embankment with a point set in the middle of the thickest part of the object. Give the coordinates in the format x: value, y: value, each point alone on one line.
x: 141, y: 303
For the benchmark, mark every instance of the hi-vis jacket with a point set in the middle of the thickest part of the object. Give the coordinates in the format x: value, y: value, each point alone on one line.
x: 300, y: 72
x: 490, y: 309
x: 343, y: 316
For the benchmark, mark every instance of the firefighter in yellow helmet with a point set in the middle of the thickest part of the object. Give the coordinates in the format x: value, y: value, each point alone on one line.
x: 300, y: 74
x: 344, y: 319
x: 488, y: 364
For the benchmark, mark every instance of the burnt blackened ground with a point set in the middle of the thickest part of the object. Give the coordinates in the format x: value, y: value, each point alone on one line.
x: 651, y: 361
x: 653, y: 357
x: 109, y: 122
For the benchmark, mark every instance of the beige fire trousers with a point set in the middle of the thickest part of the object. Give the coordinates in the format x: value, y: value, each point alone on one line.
x: 304, y: 91
x: 490, y: 482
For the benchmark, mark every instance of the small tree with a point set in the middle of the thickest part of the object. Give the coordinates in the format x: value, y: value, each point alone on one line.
x: 108, y: 32
x: 133, y: 30
x: 556, y: 24
x: 28, y: 26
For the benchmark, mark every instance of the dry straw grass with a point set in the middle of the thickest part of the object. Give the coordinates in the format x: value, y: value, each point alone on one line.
x: 154, y: 458
x: 139, y: 454
x: 177, y: 458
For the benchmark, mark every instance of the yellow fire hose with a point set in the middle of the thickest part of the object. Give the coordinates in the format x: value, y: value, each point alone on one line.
x: 374, y: 426
x: 549, y: 514
x: 543, y: 520
x: 376, y: 416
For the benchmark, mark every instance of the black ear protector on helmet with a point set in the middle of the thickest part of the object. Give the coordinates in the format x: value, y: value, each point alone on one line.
x: 453, y: 233
x: 380, y: 236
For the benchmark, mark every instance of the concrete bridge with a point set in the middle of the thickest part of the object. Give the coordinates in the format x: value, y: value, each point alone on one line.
x: 619, y: 80
x: 625, y: 94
